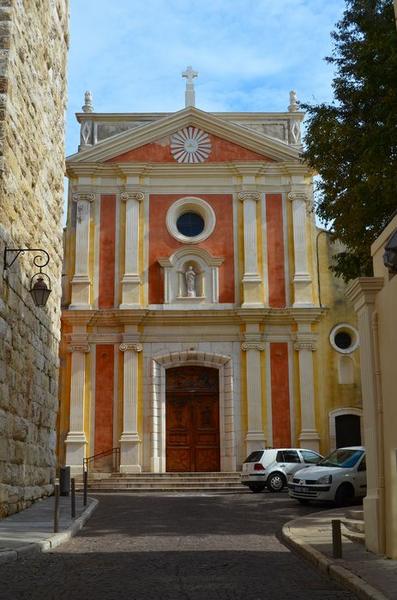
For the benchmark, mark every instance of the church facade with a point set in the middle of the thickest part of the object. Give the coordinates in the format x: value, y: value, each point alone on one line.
x: 200, y: 319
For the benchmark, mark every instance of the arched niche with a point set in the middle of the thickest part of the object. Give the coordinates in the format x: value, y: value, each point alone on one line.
x: 206, y: 276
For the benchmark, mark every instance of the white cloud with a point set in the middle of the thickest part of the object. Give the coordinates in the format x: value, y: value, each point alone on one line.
x: 249, y: 53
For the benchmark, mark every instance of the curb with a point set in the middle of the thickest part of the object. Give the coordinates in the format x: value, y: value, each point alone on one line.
x: 52, y: 541
x: 329, y: 567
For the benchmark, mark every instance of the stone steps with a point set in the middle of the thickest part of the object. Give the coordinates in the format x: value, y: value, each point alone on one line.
x: 166, y: 489
x: 164, y: 482
x: 353, y: 525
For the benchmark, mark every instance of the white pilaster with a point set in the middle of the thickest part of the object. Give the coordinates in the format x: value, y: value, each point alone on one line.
x: 251, y: 278
x: 305, y: 346
x: 362, y: 292
x: 302, y: 277
x: 130, y: 441
x: 76, y: 439
x: 255, y: 438
x: 131, y: 279
x: 81, y: 279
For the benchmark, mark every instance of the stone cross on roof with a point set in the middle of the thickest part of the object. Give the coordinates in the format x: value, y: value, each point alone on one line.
x: 189, y: 74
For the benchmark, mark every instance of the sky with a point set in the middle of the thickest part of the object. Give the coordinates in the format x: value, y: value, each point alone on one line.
x: 249, y: 54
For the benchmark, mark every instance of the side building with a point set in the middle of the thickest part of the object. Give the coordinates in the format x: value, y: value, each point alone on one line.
x: 375, y: 301
x: 200, y: 319
x: 34, y: 43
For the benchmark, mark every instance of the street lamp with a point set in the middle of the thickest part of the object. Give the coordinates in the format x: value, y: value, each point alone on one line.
x: 39, y: 289
x: 390, y: 254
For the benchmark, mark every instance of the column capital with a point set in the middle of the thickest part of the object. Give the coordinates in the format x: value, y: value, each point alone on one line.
x: 130, y: 347
x: 84, y: 348
x: 305, y: 341
x: 132, y: 195
x: 298, y: 195
x: 245, y: 346
x: 363, y: 291
x: 249, y: 195
x: 83, y: 197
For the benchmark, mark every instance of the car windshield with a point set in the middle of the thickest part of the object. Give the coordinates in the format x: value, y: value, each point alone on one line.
x: 342, y: 457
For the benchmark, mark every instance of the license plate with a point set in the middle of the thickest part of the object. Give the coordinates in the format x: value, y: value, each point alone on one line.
x: 301, y: 488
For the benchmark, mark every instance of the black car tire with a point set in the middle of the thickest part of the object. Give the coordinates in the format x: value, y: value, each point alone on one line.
x: 344, y: 494
x: 275, y: 482
x: 256, y: 487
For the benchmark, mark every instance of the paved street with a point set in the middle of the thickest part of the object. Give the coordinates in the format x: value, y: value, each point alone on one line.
x: 175, y: 548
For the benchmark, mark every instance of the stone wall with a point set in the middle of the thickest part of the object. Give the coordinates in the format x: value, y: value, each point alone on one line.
x: 33, y: 52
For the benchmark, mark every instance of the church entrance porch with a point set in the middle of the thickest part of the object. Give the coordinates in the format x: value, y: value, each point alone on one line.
x: 192, y: 419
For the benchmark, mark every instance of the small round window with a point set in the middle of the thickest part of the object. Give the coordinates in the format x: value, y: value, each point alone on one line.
x: 344, y: 338
x: 190, y: 220
x: 190, y: 224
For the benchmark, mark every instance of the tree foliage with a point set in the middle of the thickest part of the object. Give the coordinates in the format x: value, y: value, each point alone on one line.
x: 352, y: 142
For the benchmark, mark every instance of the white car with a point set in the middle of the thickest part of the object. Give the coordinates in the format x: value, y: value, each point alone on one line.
x: 340, y: 477
x: 271, y: 466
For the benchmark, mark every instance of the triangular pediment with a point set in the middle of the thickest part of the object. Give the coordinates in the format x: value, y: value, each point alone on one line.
x: 158, y: 142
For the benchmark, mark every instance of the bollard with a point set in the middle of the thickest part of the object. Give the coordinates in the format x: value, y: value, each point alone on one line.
x: 73, y: 497
x: 85, y: 480
x: 56, y: 508
x: 336, y: 539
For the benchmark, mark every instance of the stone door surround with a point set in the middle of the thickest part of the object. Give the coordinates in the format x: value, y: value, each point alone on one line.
x: 159, y: 366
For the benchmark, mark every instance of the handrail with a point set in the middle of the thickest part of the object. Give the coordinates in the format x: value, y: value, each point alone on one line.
x: 114, y: 451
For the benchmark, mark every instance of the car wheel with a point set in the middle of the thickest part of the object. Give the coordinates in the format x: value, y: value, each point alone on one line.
x: 256, y: 487
x: 275, y: 482
x: 303, y: 501
x: 344, y: 495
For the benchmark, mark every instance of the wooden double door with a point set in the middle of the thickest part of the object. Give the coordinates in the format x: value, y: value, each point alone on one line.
x: 192, y: 419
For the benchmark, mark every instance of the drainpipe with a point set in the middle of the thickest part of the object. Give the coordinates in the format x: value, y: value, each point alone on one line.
x: 379, y: 425
x: 318, y: 265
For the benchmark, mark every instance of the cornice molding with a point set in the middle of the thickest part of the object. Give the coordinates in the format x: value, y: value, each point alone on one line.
x: 142, y: 316
x: 228, y: 169
x: 228, y: 116
x: 211, y: 261
x: 363, y: 290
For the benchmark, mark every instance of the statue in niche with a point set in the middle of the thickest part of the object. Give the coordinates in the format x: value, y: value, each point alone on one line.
x: 190, y: 277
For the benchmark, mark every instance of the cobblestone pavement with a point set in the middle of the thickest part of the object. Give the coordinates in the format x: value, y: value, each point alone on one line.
x: 163, y: 547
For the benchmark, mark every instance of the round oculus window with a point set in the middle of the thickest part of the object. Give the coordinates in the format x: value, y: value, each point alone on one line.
x: 190, y: 224
x: 344, y: 338
x: 190, y: 220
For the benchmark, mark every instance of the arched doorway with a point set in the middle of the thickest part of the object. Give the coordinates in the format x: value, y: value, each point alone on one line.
x: 345, y: 427
x: 192, y: 419
x: 347, y: 430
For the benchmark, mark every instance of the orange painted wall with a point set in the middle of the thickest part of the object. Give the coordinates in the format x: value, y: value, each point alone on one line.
x: 160, y: 151
x: 107, y: 251
x: 220, y: 242
x: 275, y: 250
x: 104, y: 382
x: 280, y: 394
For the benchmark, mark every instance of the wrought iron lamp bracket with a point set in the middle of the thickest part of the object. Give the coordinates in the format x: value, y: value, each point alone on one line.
x: 39, y: 260
x: 38, y: 289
